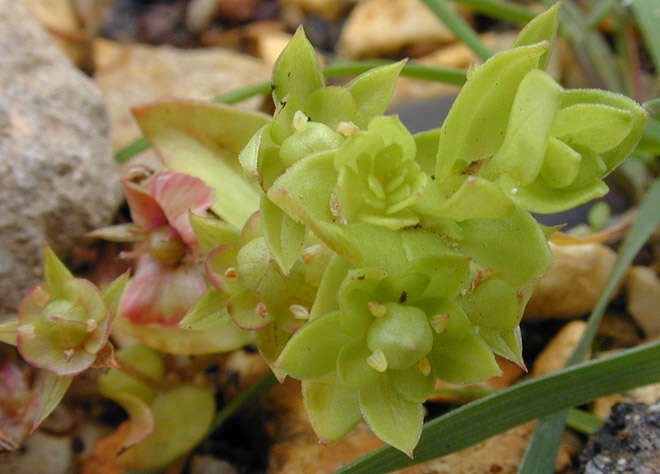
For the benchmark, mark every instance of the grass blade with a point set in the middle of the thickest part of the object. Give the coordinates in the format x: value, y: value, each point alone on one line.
x: 647, y: 13
x: 459, y: 27
x: 541, y: 451
x: 523, y: 402
x: 600, y: 10
x: 500, y: 10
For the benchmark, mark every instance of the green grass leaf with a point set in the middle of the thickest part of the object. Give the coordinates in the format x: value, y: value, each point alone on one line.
x: 545, y: 439
x: 647, y: 13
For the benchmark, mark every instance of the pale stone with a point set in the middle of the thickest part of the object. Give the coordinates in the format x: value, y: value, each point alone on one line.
x: 574, y: 282
x: 643, y: 287
x: 328, y: 9
x: 200, y: 14
x: 556, y: 353
x: 60, y: 19
x: 42, y: 453
x: 376, y: 27
x: 57, y: 177
x: 137, y: 74
x: 270, y: 45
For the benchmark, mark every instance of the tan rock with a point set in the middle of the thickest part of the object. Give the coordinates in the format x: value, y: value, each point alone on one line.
x: 377, y: 27
x: 455, y: 55
x: 556, y: 353
x: 649, y: 394
x: 618, y: 330
x: 270, y: 45
x: 573, y: 284
x: 643, y: 287
x: 59, y: 18
x: 328, y: 9
x: 136, y: 74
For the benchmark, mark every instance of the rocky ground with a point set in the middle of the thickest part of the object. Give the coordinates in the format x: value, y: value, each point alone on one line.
x: 70, y: 71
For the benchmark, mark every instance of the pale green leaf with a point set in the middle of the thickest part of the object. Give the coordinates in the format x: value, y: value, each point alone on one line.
x: 297, y: 70
x: 204, y: 140
x: 467, y: 361
x: 373, y: 91
x: 332, y: 407
x: 542, y: 28
x: 285, y: 237
x: 313, y: 349
x: 50, y: 389
x: 493, y: 304
x: 115, y: 383
x: 8, y: 331
x: 532, y: 115
x: 390, y: 416
x: 212, y: 232
x: 326, y: 296
x: 118, y: 233
x: 113, y: 292
x: 412, y: 384
x: 56, y: 275
x: 560, y: 165
x: 208, y: 313
x: 182, y: 418
x: 476, y: 123
x: 330, y: 105
x: 506, y: 343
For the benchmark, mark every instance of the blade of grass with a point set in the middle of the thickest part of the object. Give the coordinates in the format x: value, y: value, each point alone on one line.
x: 542, y: 449
x: 447, y: 75
x: 583, y: 421
x: 647, y: 13
x: 600, y: 10
x: 459, y: 27
x: 523, y: 402
x: 501, y: 10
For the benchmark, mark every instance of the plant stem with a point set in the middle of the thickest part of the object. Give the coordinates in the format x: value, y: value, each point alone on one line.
x: 447, y: 75
x: 459, y: 27
x: 501, y: 10
x: 249, y: 395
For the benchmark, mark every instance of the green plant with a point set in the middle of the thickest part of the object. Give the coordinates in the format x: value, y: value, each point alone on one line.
x: 363, y: 260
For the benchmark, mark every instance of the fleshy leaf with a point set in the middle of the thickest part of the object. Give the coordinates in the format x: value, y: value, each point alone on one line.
x: 212, y: 232
x: 326, y: 296
x: 543, y: 27
x: 313, y: 350
x: 210, y: 153
x: 354, y: 295
x: 561, y: 164
x: 332, y: 407
x: 506, y: 343
x: 209, y: 312
x: 224, y: 337
x: 56, y: 275
x: 220, y: 268
x: 390, y: 416
x: 330, y: 105
x: 182, y: 417
x: 514, y: 245
x: 142, y: 358
x: 492, y: 304
x: 118, y: 233
x: 412, y: 384
x: 297, y: 70
x: 467, y: 361
x: 352, y: 367
x: 50, y: 389
x: 373, y: 91
x: 285, y: 237
x: 532, y: 115
x: 478, y: 118
x: 596, y: 127
x: 8, y: 331
x: 249, y: 312
x: 113, y: 292
x: 141, y: 420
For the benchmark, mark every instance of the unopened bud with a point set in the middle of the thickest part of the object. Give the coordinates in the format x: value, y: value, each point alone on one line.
x: 299, y: 311
x: 347, y: 128
x: 424, y: 366
x: 377, y: 361
x: 261, y: 310
x: 377, y: 309
x: 299, y: 120
x: 439, y: 322
x: 311, y: 253
x: 91, y: 325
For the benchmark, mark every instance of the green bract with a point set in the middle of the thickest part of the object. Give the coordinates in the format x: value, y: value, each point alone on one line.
x: 381, y: 261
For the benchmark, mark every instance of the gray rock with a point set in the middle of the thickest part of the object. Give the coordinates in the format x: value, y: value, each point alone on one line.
x: 57, y: 178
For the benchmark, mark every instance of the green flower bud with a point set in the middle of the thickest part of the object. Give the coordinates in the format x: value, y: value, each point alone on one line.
x: 166, y: 245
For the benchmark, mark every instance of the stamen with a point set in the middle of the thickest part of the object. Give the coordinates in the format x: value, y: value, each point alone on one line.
x: 91, y: 324
x: 299, y: 311
x: 347, y: 128
x: 311, y: 253
x: 377, y: 309
x: 424, y: 366
x: 231, y: 272
x: 261, y: 310
x: 439, y: 322
x: 299, y: 120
